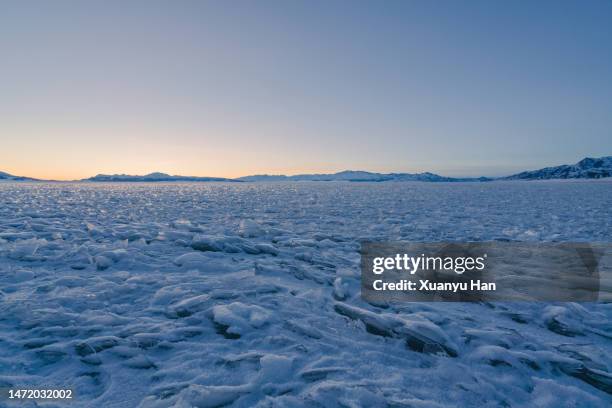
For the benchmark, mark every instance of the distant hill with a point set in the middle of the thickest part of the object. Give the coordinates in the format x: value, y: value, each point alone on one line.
x: 587, y: 168
x: 10, y: 177
x: 357, y: 176
x: 152, y: 177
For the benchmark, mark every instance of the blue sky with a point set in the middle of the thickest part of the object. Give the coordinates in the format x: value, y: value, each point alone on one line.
x: 233, y: 88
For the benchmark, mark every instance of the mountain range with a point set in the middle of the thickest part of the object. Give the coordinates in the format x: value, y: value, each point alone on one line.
x: 6, y: 176
x: 356, y: 176
x: 587, y: 168
x: 152, y: 177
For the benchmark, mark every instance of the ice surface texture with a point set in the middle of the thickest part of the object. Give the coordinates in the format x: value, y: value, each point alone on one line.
x: 158, y: 295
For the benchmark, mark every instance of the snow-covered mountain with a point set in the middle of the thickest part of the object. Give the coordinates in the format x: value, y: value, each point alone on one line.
x: 588, y: 167
x: 152, y: 177
x: 350, y: 175
x: 9, y: 177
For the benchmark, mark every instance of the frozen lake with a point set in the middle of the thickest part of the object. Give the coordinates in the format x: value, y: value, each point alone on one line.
x: 234, y: 294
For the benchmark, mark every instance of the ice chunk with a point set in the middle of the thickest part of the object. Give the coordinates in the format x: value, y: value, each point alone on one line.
x: 427, y: 337
x: 189, y: 306
x: 191, y: 259
x: 206, y: 243
x: 240, y: 318
x: 422, y: 336
x: 95, y: 345
x: 102, y: 262
x: 267, y: 249
x: 210, y: 396
x: 339, y: 290
x: 25, y: 249
x: 250, y: 229
x: 561, y: 320
x: 274, y: 369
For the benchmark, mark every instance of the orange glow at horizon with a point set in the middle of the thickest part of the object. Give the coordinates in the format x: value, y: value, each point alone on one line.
x: 64, y: 154
x: 55, y: 159
x: 67, y: 175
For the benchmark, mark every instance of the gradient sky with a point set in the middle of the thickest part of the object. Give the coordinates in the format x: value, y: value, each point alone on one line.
x: 229, y: 88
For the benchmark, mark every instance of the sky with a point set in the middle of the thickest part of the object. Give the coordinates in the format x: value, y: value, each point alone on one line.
x: 231, y: 88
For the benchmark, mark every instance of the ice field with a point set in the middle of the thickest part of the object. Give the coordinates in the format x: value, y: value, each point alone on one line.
x: 247, y: 294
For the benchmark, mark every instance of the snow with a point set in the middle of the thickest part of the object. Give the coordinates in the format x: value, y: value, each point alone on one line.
x: 589, y: 167
x: 242, y: 294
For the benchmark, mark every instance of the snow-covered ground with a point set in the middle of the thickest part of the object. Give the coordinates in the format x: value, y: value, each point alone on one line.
x: 245, y: 295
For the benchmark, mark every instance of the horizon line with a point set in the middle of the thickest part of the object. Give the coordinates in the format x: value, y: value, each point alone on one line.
x: 293, y: 175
